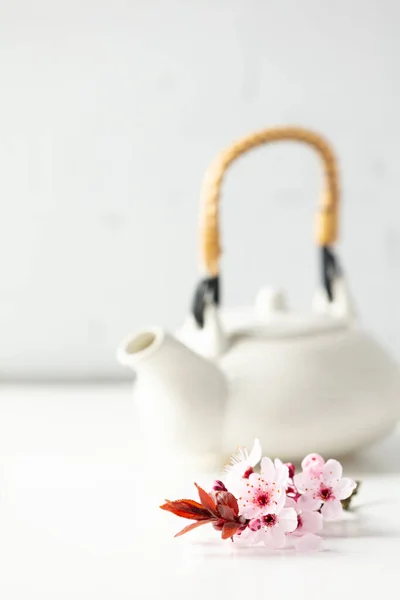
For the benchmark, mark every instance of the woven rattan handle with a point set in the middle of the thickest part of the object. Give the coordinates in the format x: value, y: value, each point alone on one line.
x: 326, y: 226
x: 326, y: 217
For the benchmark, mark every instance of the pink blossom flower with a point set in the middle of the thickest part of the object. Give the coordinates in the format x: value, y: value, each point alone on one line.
x: 271, y: 528
x: 263, y: 493
x: 309, y: 522
x: 327, y: 489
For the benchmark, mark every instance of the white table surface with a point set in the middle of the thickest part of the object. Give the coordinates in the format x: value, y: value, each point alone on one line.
x: 79, y: 516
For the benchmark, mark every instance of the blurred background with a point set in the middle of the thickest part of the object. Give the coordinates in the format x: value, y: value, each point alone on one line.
x: 109, y: 114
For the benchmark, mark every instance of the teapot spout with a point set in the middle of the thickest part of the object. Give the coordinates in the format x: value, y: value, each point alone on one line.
x: 136, y: 350
x: 180, y: 396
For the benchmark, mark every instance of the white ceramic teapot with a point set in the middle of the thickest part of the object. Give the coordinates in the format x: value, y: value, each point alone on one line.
x: 300, y: 382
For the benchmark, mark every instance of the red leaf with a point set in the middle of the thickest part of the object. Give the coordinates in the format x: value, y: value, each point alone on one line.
x: 229, y: 529
x: 187, y: 509
x: 192, y: 526
x: 207, y: 501
x: 226, y: 512
x: 227, y: 499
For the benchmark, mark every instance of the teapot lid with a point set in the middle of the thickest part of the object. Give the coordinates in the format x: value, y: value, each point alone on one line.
x: 288, y: 324
x: 270, y: 317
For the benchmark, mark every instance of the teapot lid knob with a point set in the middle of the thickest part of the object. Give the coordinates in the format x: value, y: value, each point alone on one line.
x: 270, y: 300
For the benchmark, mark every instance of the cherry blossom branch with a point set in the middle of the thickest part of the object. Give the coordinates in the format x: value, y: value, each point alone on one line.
x: 273, y: 504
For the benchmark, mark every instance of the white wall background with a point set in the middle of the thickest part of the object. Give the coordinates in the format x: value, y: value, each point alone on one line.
x: 109, y: 113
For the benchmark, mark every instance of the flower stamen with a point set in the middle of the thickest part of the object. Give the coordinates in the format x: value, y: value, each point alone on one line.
x: 326, y: 493
x: 269, y: 520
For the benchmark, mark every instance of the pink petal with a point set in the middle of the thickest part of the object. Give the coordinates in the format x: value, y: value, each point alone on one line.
x: 280, y: 499
x: 249, y: 511
x: 309, y: 502
x: 344, y: 488
x: 247, y: 538
x: 253, y: 480
x: 291, y: 503
x: 332, y: 510
x: 256, y: 537
x: 267, y: 538
x: 304, y: 482
x: 275, y: 537
x: 255, y: 454
x: 281, y: 472
x: 308, y: 543
x: 267, y: 469
x: 311, y: 521
x: 234, y: 478
x: 287, y: 520
x: 332, y: 471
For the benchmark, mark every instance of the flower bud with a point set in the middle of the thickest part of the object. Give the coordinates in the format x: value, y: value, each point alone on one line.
x: 313, y: 464
x: 292, y: 469
x: 255, y: 524
x: 248, y: 472
x: 219, y: 486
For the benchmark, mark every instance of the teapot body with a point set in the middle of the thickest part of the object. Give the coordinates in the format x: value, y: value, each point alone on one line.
x: 332, y: 393
x: 299, y: 382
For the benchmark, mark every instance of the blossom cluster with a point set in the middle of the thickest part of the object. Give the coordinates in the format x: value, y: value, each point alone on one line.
x: 270, y: 504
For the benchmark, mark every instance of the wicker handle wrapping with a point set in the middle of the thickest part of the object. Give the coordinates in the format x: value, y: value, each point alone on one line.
x: 326, y: 218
